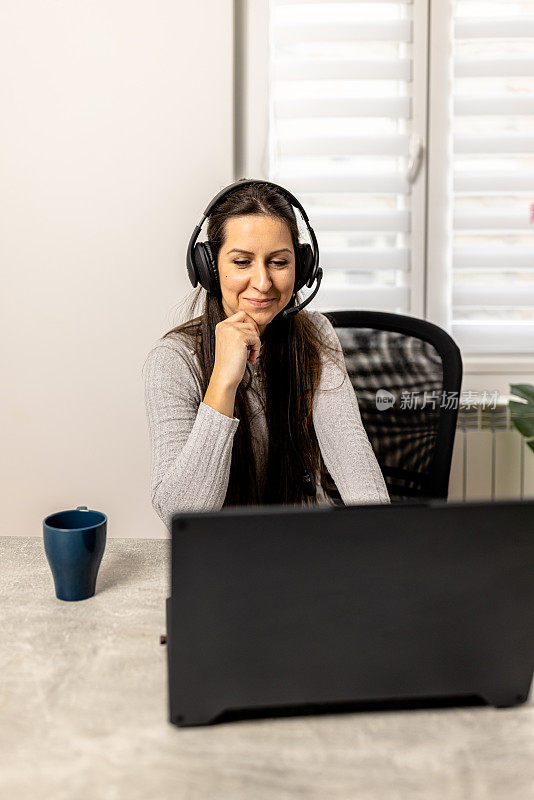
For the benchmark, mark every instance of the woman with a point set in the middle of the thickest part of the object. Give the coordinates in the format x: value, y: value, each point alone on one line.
x: 239, y: 398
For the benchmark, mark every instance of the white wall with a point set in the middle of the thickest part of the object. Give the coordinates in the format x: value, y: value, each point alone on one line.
x: 116, y: 132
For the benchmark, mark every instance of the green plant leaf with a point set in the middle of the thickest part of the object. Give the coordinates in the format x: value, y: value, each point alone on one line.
x: 520, y: 409
x: 522, y: 417
x: 531, y: 444
x: 524, y: 426
x: 522, y: 414
x: 525, y: 390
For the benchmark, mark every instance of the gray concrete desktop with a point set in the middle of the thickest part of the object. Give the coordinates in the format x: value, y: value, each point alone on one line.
x: 83, y: 711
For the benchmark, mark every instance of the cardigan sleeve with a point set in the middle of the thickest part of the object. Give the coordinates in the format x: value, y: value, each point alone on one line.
x: 191, y: 442
x: 344, y: 444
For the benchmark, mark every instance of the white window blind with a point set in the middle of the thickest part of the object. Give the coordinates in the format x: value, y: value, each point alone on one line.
x: 493, y: 126
x: 345, y: 131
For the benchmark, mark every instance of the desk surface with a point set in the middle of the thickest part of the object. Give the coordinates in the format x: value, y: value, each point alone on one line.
x: 83, y: 711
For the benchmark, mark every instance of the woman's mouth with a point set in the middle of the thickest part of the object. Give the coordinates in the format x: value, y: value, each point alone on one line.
x: 260, y: 303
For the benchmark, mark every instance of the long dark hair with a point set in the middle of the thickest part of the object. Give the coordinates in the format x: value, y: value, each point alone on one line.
x: 291, y: 349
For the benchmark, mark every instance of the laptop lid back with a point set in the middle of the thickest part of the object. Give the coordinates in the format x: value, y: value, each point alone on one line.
x: 276, y: 605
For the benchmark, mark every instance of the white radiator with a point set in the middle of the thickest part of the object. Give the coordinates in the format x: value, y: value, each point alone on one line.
x: 490, y: 460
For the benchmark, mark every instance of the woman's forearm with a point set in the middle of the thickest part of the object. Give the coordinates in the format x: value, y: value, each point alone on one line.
x: 220, y: 395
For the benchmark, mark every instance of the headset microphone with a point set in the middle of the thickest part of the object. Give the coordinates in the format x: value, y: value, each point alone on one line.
x: 295, y: 309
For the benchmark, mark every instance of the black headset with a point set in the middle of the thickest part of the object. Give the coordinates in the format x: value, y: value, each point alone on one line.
x: 202, y: 268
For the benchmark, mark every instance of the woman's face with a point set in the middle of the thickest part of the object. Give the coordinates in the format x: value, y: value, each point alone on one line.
x: 256, y: 262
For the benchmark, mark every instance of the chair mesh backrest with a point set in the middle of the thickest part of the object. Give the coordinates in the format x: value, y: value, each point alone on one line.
x: 403, y: 437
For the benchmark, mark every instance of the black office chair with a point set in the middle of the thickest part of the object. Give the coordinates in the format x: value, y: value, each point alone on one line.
x: 398, y: 353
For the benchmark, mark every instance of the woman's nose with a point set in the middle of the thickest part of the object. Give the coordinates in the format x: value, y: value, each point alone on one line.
x: 260, y: 276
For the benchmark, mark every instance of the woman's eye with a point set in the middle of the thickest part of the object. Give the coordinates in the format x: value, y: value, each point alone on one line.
x: 276, y: 263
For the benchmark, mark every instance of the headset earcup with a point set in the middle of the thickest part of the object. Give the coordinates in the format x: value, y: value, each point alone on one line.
x: 206, y: 268
x: 304, y: 266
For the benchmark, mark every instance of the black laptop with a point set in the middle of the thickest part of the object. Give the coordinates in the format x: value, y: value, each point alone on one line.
x: 286, y: 607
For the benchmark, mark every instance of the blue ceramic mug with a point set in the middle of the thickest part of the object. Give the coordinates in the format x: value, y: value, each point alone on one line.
x: 74, y: 543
